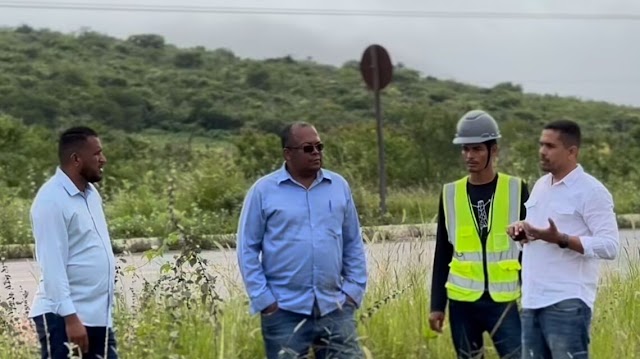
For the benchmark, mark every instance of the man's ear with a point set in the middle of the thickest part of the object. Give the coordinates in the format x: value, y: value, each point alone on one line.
x: 74, y: 157
x: 574, y: 150
x: 495, y: 150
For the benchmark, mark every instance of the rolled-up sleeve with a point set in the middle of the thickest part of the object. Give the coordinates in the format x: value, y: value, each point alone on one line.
x: 52, y: 254
x: 600, y: 218
x: 354, y: 267
x: 250, y: 234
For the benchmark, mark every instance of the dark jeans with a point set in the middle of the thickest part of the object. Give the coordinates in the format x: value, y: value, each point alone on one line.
x: 54, y: 346
x: 556, y: 332
x: 290, y: 335
x: 469, y: 320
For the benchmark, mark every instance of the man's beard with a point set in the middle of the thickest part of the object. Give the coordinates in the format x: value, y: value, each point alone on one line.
x: 90, y: 176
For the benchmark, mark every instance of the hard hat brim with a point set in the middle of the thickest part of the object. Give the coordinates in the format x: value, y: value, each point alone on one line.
x: 470, y: 140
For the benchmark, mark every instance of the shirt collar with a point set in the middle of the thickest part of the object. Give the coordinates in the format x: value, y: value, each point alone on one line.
x: 571, y: 177
x: 68, y: 184
x: 284, y: 175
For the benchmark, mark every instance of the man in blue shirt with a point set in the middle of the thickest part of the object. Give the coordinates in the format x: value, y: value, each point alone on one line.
x: 74, y: 300
x: 301, y: 254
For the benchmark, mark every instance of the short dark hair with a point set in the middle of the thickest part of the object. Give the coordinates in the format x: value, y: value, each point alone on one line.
x: 569, y: 131
x: 285, y: 134
x: 71, y: 140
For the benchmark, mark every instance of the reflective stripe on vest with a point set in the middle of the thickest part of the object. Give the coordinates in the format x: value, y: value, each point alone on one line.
x: 479, y: 286
x: 466, y: 276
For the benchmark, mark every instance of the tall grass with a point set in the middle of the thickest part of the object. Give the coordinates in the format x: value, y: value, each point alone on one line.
x: 392, y: 322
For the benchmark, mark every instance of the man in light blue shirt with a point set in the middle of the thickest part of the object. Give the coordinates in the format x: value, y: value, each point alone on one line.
x: 301, y: 254
x: 74, y: 300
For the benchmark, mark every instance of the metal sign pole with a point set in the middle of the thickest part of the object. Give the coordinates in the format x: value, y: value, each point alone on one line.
x: 376, y: 69
x: 378, y: 110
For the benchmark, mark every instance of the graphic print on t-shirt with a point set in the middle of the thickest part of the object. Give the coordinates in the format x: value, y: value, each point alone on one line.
x: 482, y: 208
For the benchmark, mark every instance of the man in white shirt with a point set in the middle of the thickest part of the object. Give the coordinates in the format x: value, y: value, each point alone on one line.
x: 74, y: 300
x: 570, y: 226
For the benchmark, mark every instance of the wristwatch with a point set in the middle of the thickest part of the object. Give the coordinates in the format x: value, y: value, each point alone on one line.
x: 564, y: 241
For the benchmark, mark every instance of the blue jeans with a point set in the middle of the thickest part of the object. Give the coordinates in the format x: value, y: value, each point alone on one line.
x: 52, y: 346
x: 558, y: 331
x: 291, y: 335
x: 469, y: 320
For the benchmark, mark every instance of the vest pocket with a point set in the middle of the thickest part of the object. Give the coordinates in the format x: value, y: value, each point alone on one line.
x: 510, y: 265
x: 461, y: 268
x: 466, y: 240
x: 498, y: 242
x: 503, y: 280
x: 466, y: 280
x: 504, y: 271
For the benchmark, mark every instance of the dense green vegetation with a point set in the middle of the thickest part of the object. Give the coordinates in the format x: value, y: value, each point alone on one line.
x: 205, y: 120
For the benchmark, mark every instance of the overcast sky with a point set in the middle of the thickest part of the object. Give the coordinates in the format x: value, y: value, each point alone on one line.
x: 589, y: 59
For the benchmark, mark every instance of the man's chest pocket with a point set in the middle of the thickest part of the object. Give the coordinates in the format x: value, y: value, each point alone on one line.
x: 558, y: 207
x: 564, y: 209
x: 565, y: 213
x: 333, y: 215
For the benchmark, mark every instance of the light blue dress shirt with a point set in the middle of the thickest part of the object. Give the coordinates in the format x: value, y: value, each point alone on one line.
x: 297, y: 246
x: 73, y: 250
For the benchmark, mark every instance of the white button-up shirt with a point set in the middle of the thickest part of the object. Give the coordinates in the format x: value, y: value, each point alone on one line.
x: 580, y: 206
x: 73, y: 250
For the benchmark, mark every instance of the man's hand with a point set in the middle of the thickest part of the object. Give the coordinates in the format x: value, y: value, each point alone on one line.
x: 518, y: 233
x: 436, y: 320
x: 270, y: 309
x: 515, y: 229
x: 76, y: 332
x: 549, y: 234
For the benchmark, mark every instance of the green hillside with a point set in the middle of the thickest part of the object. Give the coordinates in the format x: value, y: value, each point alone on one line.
x: 54, y: 79
x: 212, y: 116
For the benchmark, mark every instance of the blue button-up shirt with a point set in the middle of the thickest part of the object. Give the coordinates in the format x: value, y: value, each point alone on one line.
x: 310, y: 242
x: 73, y: 250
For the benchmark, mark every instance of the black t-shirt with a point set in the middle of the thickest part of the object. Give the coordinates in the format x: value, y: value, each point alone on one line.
x: 481, y: 198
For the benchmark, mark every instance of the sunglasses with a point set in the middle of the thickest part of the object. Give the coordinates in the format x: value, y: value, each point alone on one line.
x: 309, y: 148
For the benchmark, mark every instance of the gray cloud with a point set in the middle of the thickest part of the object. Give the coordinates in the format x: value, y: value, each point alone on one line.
x: 590, y: 59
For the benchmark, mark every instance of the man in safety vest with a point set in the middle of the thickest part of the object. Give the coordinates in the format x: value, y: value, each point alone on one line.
x: 476, y: 265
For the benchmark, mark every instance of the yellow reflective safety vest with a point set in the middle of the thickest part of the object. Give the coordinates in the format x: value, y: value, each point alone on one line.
x: 466, y: 271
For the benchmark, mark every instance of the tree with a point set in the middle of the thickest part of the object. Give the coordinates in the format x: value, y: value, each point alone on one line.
x: 147, y: 41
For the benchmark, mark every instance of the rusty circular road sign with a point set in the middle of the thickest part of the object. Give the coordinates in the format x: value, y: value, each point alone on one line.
x: 376, y: 67
x: 376, y: 70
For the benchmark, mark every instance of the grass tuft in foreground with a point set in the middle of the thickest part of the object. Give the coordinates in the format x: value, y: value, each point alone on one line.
x: 166, y: 320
